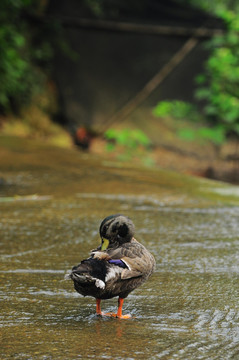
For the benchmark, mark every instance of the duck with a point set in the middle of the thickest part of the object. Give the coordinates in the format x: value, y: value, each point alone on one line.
x: 115, y: 268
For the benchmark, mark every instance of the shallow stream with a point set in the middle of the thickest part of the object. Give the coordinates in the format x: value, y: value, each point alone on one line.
x: 51, y: 204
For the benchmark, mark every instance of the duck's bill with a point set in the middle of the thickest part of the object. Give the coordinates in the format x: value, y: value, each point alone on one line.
x: 104, y: 244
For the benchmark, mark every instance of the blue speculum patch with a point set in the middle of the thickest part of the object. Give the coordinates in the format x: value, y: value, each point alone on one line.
x: 118, y: 262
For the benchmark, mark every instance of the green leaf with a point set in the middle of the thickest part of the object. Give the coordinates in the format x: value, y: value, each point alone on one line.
x: 111, y: 134
x: 202, y: 93
x: 216, y: 134
x: 110, y: 147
x: 200, y: 79
x: 187, y: 134
x: 162, y: 109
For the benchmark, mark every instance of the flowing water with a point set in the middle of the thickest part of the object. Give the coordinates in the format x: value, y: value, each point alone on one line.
x: 51, y: 204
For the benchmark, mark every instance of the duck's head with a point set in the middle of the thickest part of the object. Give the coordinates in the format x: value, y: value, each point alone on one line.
x: 116, y: 230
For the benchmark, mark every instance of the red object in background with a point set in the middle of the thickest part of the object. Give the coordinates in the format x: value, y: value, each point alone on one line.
x: 82, y: 138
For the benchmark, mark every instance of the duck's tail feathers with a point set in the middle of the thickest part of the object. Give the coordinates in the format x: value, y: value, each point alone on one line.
x: 85, y: 279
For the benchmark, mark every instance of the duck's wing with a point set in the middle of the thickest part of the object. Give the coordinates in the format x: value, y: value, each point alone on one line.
x: 139, y: 262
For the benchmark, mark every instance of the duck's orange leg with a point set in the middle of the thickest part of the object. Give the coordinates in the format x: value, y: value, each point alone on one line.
x: 98, y: 309
x: 119, y: 312
x: 99, y: 312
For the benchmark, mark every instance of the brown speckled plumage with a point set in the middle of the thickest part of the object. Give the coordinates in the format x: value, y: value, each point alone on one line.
x: 123, y: 266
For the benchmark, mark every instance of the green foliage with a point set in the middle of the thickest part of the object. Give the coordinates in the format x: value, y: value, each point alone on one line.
x: 129, y: 144
x: 216, y: 135
x: 95, y: 6
x: 176, y: 109
x: 129, y: 138
x: 213, y: 6
x: 219, y: 86
x: 184, y: 111
x: 20, y: 77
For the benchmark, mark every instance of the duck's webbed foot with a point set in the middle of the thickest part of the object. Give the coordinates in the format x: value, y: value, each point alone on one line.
x: 118, y: 315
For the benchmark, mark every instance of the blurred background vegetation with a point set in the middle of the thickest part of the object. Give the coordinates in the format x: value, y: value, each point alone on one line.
x: 29, y: 99
x: 217, y: 87
x: 25, y: 54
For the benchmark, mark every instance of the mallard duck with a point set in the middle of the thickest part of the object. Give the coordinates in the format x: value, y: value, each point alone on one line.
x: 117, y: 267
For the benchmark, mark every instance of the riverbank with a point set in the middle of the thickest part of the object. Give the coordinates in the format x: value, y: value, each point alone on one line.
x: 31, y: 167
x: 167, y: 150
